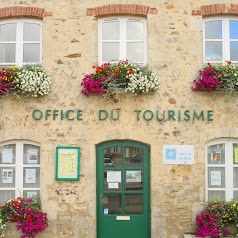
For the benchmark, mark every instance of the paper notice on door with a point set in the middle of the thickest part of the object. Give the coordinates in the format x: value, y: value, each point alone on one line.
x: 113, y: 185
x: 216, y: 178
x: 105, y: 211
x: 114, y: 176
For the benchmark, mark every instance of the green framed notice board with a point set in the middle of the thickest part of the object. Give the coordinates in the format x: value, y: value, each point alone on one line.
x: 67, y: 163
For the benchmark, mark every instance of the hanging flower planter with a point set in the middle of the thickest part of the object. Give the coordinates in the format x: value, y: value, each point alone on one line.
x: 111, y: 80
x: 30, y: 80
x: 217, y: 76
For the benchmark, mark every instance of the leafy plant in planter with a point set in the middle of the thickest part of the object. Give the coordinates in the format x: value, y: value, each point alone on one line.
x: 30, y: 80
x: 109, y: 79
x: 28, y: 215
x: 213, y: 220
x: 216, y: 76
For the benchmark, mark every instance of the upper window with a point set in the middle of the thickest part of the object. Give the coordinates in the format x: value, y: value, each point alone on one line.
x: 19, y: 170
x: 222, y: 169
x: 221, y: 39
x: 122, y: 38
x: 20, y: 42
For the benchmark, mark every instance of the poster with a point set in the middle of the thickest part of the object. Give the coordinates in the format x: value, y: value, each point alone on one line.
x: 7, y: 156
x: 68, y: 163
x: 30, y: 176
x: 133, y: 176
x: 32, y: 156
x: 7, y: 175
x: 236, y: 155
x: 216, y: 156
x: 114, y: 176
x: 215, y: 178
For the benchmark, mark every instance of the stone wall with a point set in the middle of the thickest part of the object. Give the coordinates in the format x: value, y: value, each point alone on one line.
x: 69, y: 50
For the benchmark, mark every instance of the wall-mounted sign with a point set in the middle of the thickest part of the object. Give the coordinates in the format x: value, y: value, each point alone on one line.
x: 67, y: 163
x: 178, y: 154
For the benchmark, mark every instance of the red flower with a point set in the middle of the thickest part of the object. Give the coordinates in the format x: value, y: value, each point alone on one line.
x: 116, y: 72
x: 229, y: 62
x: 130, y: 72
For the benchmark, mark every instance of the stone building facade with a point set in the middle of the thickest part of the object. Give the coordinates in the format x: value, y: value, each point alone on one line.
x: 175, y: 45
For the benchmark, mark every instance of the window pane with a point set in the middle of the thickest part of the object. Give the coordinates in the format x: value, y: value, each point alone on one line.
x: 235, y: 195
x: 134, y: 180
x: 213, y: 51
x: 112, y: 180
x: 31, y: 53
x: 8, y: 32
x: 216, y: 177
x: 134, y: 203
x: 7, y: 154
x: 31, y: 193
x: 213, y: 30
x: 235, y: 177
x: 133, y: 157
x: 7, y: 53
x: 113, y: 157
x: 135, y: 51
x: 233, y: 29
x: 7, y: 177
x: 111, y: 30
x: 134, y: 30
x: 110, y: 52
x: 31, y: 177
x: 6, y: 195
x: 216, y: 195
x: 31, y: 32
x: 234, y: 51
x: 31, y: 154
x: 216, y: 154
x: 112, y: 203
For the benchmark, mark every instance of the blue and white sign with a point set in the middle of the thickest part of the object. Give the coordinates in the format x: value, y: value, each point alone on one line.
x: 178, y: 154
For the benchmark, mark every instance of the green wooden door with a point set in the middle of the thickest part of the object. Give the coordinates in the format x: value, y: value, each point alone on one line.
x: 123, y: 190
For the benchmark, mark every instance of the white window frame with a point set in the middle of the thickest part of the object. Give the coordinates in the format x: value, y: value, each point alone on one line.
x: 228, y: 165
x: 225, y: 37
x: 19, y: 167
x: 122, y: 48
x: 19, y: 40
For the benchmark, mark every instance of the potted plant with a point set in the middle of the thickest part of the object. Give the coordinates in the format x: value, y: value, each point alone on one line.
x: 28, y: 215
x: 110, y: 80
x: 217, y: 76
x: 217, y: 219
x: 30, y: 80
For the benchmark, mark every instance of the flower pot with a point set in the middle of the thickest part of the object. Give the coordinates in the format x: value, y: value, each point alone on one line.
x: 12, y: 218
x: 232, y: 229
x: 2, y: 232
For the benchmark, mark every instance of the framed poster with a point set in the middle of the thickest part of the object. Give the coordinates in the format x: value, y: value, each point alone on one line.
x: 67, y: 163
x: 30, y: 176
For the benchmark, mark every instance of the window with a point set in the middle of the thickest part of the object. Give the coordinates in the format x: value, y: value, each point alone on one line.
x: 222, y: 169
x: 221, y: 39
x: 19, y: 170
x: 20, y: 42
x: 122, y: 38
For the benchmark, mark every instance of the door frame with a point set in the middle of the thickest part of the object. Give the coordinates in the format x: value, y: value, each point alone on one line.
x: 112, y: 143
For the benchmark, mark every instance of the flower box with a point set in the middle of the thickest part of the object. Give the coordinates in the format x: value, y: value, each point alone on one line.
x: 111, y: 79
x: 217, y: 77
